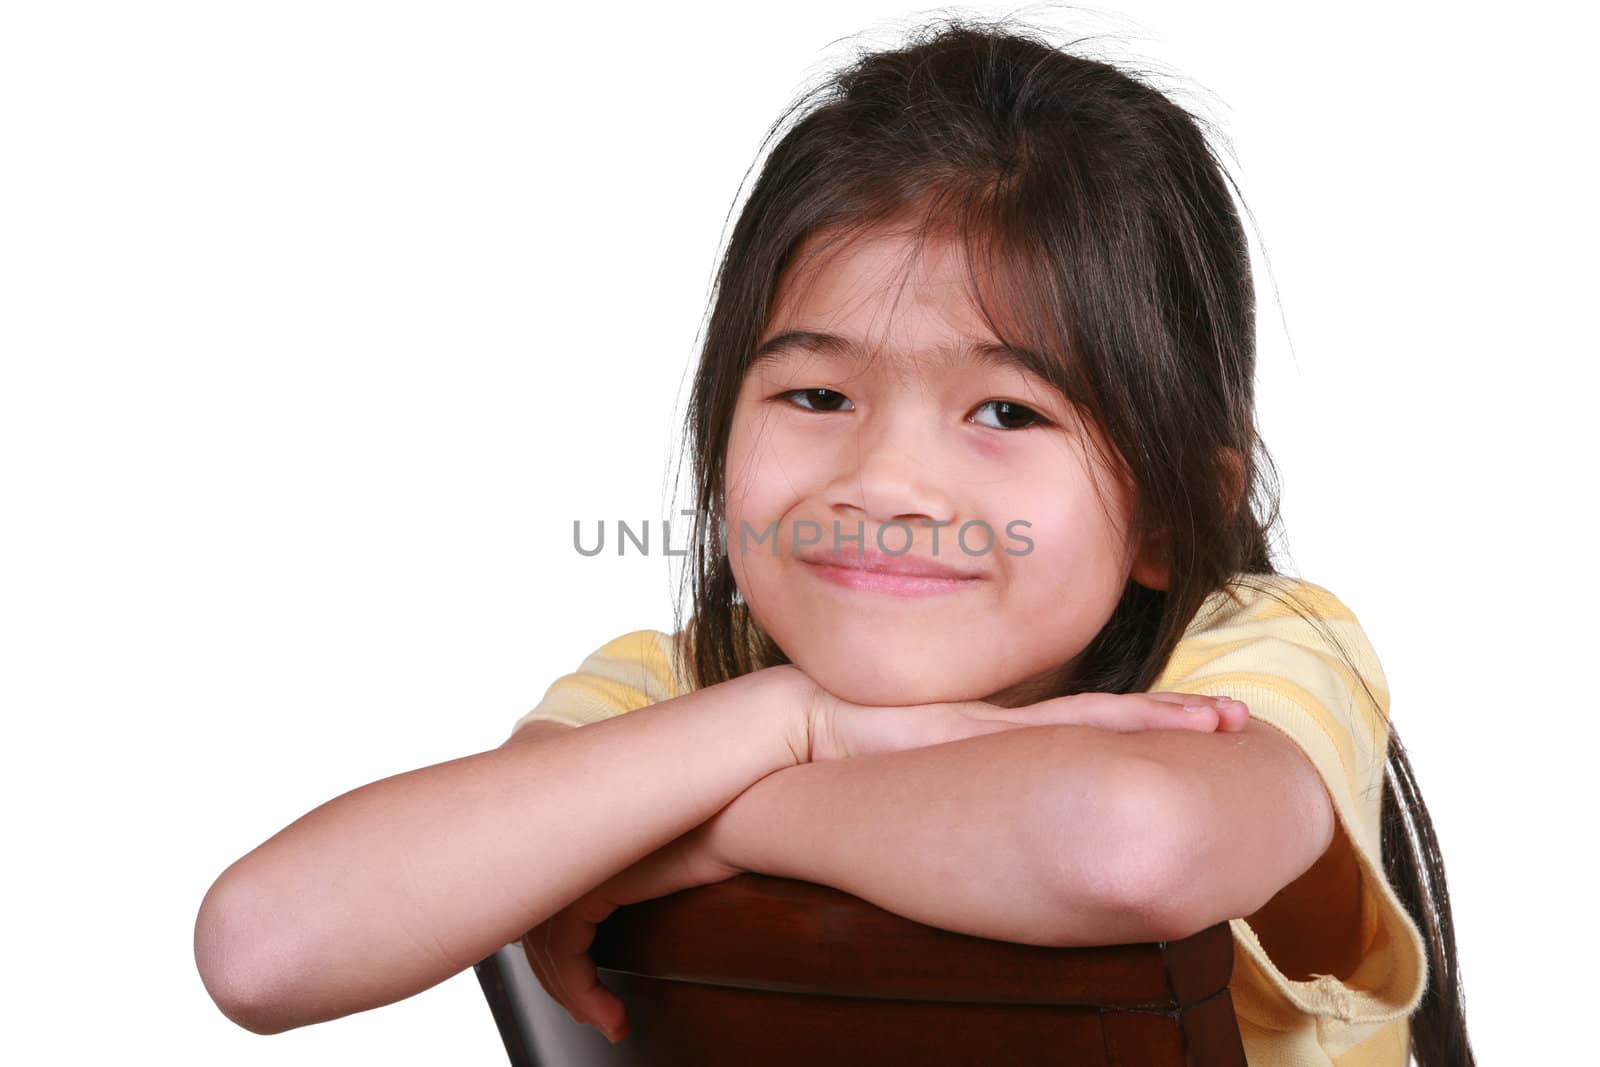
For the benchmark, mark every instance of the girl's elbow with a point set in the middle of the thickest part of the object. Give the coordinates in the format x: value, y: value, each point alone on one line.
x: 231, y: 953
x: 1131, y: 857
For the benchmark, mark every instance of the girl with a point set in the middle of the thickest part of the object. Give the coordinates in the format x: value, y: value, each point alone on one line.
x: 977, y: 497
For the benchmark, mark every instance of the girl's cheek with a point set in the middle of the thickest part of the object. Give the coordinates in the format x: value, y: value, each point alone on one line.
x: 782, y: 450
x: 991, y: 449
x: 752, y: 462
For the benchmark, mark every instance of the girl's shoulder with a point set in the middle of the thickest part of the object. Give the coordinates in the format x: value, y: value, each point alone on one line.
x: 626, y: 673
x: 1267, y: 597
x: 1287, y: 635
x: 645, y: 659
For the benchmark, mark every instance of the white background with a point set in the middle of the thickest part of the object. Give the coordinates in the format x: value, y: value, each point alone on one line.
x: 321, y: 322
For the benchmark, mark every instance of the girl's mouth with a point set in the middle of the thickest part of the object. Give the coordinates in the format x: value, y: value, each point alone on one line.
x: 887, y: 581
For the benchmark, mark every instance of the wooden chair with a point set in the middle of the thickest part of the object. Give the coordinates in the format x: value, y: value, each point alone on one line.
x: 768, y: 971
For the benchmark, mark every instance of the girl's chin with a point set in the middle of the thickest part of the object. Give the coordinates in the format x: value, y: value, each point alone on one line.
x: 901, y: 689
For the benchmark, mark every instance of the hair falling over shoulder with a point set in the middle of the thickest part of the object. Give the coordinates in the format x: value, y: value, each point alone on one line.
x: 1103, y: 235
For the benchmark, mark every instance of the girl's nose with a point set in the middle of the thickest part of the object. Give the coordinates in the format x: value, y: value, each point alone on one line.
x: 890, y: 473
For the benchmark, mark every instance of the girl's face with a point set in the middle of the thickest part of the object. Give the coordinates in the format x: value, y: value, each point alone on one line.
x: 967, y: 463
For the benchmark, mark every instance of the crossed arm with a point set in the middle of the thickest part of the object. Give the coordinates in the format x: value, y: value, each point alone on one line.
x: 1051, y: 835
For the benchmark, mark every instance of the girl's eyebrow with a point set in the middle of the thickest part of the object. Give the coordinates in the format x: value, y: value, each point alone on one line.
x: 965, y: 352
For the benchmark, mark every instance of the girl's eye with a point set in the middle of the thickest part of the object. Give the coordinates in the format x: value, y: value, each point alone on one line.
x: 1010, y: 409
x: 827, y: 397
x: 1011, y: 415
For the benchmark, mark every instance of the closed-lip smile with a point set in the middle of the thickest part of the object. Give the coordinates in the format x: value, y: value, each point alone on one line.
x: 904, y: 575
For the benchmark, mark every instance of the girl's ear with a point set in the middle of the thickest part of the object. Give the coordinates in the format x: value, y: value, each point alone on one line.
x: 1233, y: 473
x: 1150, y: 566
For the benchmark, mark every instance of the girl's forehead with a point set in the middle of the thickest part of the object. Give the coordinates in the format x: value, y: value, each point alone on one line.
x: 830, y: 270
x: 951, y: 354
x: 882, y: 292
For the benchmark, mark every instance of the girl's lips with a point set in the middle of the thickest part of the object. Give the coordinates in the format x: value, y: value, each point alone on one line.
x: 888, y: 582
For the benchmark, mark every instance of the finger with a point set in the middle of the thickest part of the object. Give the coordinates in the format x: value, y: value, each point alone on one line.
x: 535, y: 960
x: 538, y: 959
x: 572, y: 936
x: 1140, y: 711
x: 558, y: 983
x: 1234, y: 715
x: 1107, y: 711
x: 1204, y: 717
x: 1224, y: 716
x: 1187, y: 698
x: 592, y: 1002
x: 568, y: 938
x: 1231, y: 714
x: 1134, y: 712
x: 544, y: 967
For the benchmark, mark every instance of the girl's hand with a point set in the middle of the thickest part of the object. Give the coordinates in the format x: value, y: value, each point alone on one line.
x: 558, y: 948
x: 840, y: 729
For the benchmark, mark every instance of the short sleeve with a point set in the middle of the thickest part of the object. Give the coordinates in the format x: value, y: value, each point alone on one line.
x: 623, y: 675
x: 1264, y: 652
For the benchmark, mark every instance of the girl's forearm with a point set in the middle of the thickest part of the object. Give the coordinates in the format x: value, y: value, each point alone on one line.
x: 393, y: 887
x: 964, y: 836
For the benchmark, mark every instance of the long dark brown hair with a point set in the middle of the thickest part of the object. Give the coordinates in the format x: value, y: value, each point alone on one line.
x: 1102, y: 233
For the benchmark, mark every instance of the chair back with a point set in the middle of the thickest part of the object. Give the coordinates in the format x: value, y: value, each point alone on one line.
x: 778, y: 972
